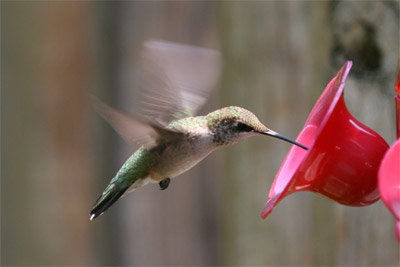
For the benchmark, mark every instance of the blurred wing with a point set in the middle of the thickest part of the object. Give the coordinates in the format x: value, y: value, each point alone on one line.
x: 176, y: 79
x: 131, y: 129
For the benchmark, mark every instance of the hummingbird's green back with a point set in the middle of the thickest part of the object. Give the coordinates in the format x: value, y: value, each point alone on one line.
x: 136, y: 168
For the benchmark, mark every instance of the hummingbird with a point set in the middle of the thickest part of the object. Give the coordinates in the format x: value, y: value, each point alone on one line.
x: 176, y: 80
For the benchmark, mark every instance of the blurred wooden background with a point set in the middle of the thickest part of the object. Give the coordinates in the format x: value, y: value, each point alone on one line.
x: 58, y: 155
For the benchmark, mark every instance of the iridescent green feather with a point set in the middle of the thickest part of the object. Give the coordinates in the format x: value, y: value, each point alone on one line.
x: 136, y: 167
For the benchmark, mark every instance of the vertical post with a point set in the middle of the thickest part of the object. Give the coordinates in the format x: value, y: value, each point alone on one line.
x: 47, y: 166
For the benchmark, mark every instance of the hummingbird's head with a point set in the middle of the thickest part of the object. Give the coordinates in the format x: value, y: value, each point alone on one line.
x: 232, y: 125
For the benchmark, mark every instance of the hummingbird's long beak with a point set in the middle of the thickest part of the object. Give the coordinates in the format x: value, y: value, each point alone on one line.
x: 277, y: 135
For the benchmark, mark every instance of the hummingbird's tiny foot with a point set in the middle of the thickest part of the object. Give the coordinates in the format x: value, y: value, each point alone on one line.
x: 164, y: 183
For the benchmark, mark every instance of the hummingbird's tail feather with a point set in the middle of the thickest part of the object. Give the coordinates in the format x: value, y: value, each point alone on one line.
x: 112, y: 193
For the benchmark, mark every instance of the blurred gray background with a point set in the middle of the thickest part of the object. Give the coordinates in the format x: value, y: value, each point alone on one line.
x: 57, y: 155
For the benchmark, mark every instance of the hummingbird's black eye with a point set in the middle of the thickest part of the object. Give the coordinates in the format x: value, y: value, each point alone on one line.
x: 243, y: 127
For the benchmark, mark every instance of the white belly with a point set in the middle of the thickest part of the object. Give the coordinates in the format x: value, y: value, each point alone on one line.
x: 180, y: 158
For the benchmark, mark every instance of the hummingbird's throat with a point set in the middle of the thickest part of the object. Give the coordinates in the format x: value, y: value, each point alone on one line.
x: 225, y: 135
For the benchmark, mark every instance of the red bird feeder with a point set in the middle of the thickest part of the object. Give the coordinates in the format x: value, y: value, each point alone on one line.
x: 343, y: 158
x: 397, y: 99
x: 389, y: 182
x: 389, y: 172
